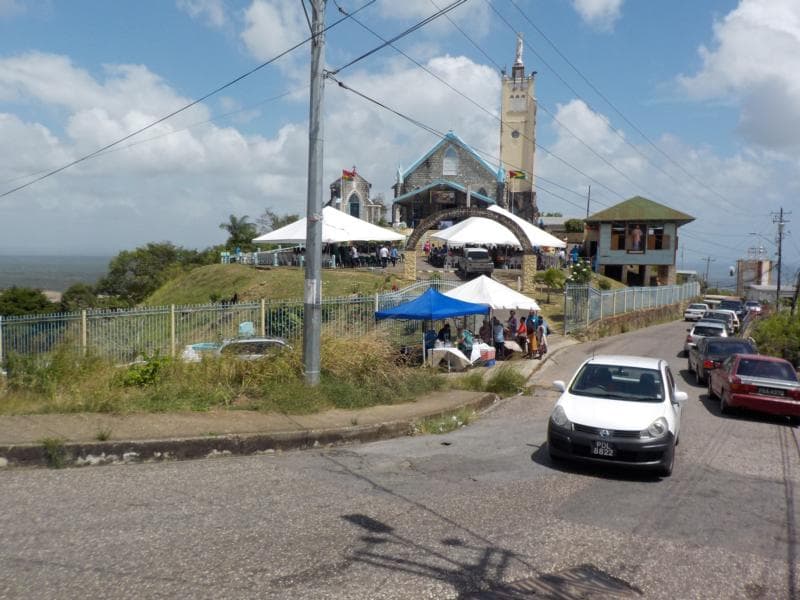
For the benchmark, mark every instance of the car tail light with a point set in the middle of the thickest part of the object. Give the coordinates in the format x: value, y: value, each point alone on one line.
x: 689, y: 338
x: 741, y: 388
x: 794, y: 394
x: 709, y: 364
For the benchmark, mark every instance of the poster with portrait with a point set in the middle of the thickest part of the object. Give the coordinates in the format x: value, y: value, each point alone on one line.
x: 636, y: 238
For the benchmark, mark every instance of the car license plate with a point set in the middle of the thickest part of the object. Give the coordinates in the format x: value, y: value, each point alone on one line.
x: 600, y: 448
x: 770, y: 392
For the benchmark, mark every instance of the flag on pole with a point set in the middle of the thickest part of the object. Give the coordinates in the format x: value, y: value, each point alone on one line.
x: 517, y: 175
x: 348, y: 175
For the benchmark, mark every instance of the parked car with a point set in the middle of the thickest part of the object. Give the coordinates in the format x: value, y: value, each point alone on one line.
x: 709, y: 353
x: 618, y: 410
x: 474, y: 262
x: 734, y: 318
x: 756, y: 382
x: 695, y: 312
x: 195, y: 352
x: 735, y: 305
x: 703, y: 329
x: 724, y: 317
x: 753, y: 306
x: 252, y: 348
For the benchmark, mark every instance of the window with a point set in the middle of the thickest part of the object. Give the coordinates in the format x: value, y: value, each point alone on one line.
x: 657, y: 239
x: 354, y: 205
x: 618, y: 236
x: 450, y: 162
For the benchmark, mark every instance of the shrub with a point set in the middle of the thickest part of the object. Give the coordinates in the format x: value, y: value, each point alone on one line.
x: 506, y: 382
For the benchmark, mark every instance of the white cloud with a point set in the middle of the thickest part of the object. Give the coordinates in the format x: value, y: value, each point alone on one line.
x: 10, y: 8
x: 213, y: 12
x: 600, y: 14
x: 754, y: 61
x: 474, y: 17
x: 272, y: 26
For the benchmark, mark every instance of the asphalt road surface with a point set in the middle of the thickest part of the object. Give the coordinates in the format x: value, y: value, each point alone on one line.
x: 476, y: 513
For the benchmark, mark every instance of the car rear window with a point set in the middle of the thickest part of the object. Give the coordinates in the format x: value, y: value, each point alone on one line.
x: 706, y: 330
x: 768, y: 369
x: 731, y: 348
x: 478, y: 254
x: 697, y: 306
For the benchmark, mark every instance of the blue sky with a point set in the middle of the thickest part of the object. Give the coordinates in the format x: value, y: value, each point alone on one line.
x: 712, y: 85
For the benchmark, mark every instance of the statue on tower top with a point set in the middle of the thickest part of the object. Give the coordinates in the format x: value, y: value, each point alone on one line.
x: 518, y: 61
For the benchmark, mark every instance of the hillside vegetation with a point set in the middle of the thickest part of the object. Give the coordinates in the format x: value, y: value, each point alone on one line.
x: 213, y: 283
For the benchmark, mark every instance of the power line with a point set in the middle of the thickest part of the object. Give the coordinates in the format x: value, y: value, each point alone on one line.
x: 469, y: 39
x: 185, y: 107
x: 613, y: 107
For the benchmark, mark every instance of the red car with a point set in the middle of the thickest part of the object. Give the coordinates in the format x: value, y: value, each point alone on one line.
x: 756, y: 382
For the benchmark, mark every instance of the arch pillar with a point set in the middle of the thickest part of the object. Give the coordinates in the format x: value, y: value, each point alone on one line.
x: 528, y: 273
x: 410, y: 265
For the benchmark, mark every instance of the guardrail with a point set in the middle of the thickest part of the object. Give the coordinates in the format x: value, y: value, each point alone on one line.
x: 584, y: 305
x: 126, y: 335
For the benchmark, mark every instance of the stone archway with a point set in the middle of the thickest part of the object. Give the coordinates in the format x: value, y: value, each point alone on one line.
x: 528, y: 256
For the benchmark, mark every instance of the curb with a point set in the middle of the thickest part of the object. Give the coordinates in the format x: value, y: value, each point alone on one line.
x: 78, y: 454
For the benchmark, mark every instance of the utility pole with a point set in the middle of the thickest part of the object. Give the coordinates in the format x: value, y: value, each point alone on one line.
x: 588, y: 200
x: 708, y: 260
x: 312, y: 315
x: 779, y: 220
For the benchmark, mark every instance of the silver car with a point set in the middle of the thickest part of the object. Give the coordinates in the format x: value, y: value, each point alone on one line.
x: 703, y: 329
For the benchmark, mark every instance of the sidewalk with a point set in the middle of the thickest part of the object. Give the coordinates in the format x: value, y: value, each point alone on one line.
x: 95, y: 438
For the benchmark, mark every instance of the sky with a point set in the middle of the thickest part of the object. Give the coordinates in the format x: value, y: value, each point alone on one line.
x: 695, y: 105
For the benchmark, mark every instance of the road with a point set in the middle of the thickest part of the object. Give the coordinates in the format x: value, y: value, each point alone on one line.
x: 476, y: 513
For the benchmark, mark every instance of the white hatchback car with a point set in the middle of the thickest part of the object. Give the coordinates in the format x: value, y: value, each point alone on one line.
x: 695, y: 312
x: 619, y: 410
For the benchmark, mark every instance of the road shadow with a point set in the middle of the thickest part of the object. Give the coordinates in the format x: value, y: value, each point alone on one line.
x: 475, y: 566
x: 740, y: 414
x: 609, y: 472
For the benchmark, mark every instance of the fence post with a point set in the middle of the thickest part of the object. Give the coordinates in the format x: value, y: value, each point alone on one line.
x: 566, y: 316
x: 172, y: 330
x: 1, y: 340
x: 84, y: 335
x: 263, y: 318
x: 376, y: 301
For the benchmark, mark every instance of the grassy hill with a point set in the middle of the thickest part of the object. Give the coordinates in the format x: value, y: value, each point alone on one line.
x: 215, y: 282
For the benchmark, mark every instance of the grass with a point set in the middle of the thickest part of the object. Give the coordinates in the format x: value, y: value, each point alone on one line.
x: 54, y: 452
x: 250, y: 284
x: 445, y: 423
x: 103, y: 434
x: 355, y: 373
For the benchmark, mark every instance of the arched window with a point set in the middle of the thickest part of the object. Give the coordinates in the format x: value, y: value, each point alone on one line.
x: 450, y: 162
x: 354, y: 204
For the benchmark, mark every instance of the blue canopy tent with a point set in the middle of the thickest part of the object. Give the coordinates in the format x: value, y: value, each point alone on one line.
x: 432, y: 305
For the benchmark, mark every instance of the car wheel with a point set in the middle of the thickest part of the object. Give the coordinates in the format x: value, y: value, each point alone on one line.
x: 666, y: 469
x: 699, y: 379
x: 723, y: 406
x: 711, y: 394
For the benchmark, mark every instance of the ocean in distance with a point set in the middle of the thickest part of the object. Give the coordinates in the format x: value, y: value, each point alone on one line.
x: 56, y: 273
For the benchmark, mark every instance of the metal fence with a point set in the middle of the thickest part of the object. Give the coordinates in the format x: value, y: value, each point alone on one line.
x: 584, y: 305
x: 126, y: 335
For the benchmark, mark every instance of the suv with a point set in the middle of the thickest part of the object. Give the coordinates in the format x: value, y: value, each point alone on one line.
x: 735, y: 305
x: 703, y: 329
x: 475, y: 261
x: 695, y: 312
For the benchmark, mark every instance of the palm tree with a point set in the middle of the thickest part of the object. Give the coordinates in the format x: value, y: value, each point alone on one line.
x: 240, y: 232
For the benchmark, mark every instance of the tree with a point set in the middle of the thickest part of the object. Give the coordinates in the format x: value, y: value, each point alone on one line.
x: 581, y: 272
x: 135, y: 274
x: 78, y: 296
x: 270, y: 221
x: 18, y: 301
x: 554, y: 280
x: 573, y: 225
x: 240, y: 232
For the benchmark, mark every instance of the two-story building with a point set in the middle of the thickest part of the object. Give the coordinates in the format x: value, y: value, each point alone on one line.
x: 635, y: 241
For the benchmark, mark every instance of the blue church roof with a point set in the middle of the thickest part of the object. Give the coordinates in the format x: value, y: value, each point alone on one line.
x: 447, y: 183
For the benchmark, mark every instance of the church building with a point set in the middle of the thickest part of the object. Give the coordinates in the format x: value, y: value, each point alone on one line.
x: 451, y: 174
x: 350, y: 193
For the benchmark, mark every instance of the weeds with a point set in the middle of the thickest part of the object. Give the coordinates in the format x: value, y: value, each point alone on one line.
x: 506, y: 382
x: 103, y: 434
x: 54, y: 452
x: 445, y: 424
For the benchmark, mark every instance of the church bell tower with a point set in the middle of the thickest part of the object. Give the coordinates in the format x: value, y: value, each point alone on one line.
x: 518, y: 137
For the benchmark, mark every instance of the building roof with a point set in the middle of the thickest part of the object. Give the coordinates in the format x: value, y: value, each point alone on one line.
x: 639, y: 209
x: 451, y: 138
x: 446, y: 183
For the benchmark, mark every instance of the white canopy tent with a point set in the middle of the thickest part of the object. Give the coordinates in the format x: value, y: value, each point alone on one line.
x: 479, y: 230
x: 337, y: 227
x: 484, y: 290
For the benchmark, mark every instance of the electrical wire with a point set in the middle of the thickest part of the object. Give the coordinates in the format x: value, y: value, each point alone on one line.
x: 186, y: 106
